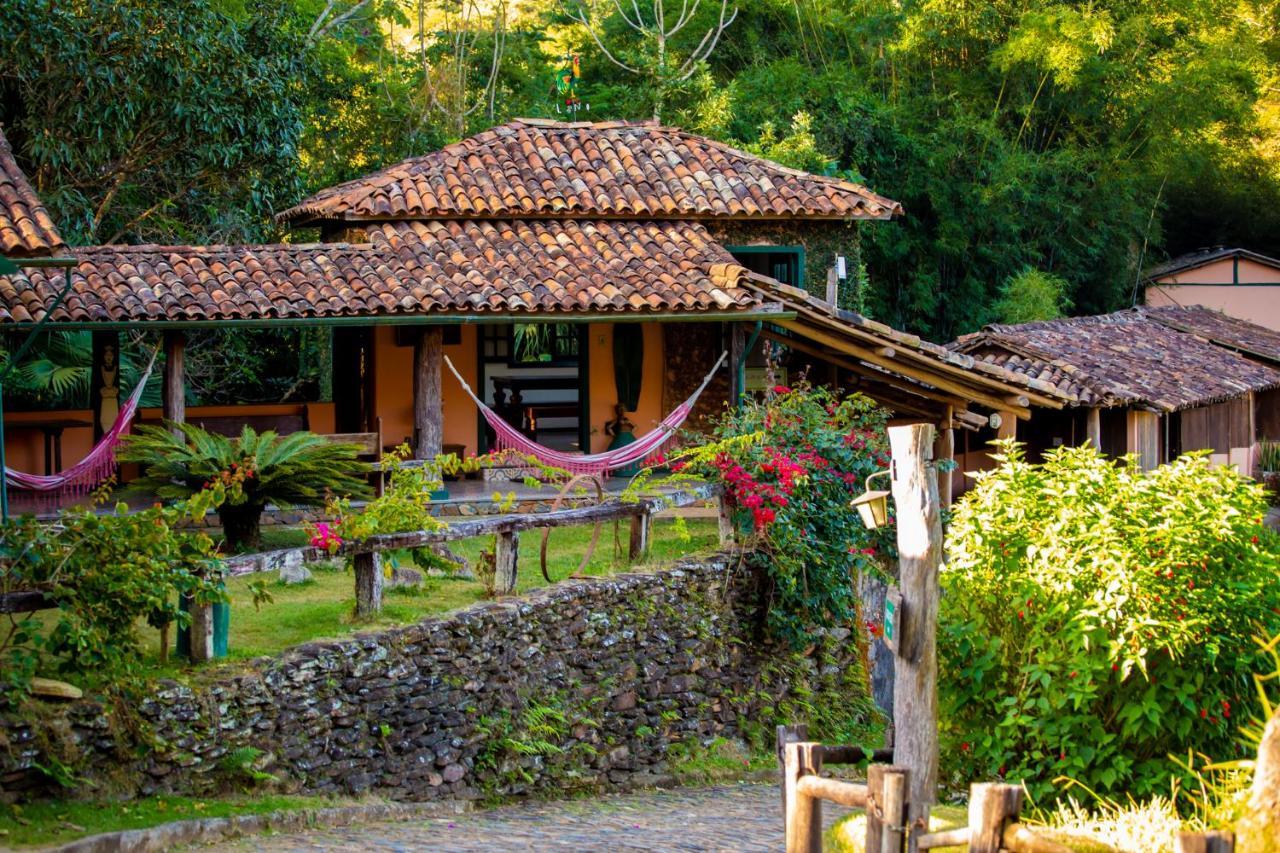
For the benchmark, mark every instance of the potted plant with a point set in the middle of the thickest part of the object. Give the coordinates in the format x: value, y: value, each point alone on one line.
x: 245, y: 473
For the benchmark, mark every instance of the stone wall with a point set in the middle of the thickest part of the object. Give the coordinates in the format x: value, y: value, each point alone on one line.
x: 590, y: 683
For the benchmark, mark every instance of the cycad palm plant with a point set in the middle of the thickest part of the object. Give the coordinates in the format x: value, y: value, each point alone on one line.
x: 251, y: 471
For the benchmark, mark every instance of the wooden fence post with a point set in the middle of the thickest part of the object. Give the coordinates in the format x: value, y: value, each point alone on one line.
x: 915, y: 689
x: 200, y: 634
x: 886, y: 807
x: 786, y: 735
x: 804, y: 814
x: 368, y: 566
x: 991, y: 807
x: 641, y: 527
x: 727, y: 533
x: 1217, y: 841
x: 506, y: 562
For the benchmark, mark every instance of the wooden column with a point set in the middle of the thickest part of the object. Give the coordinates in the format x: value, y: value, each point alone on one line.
x: 915, y: 693
x: 428, y: 408
x: 641, y: 526
x: 1008, y: 425
x: 737, y: 354
x: 1093, y: 427
x: 174, y: 391
x: 785, y: 735
x: 369, y: 580
x: 1143, y: 436
x: 886, y: 787
x: 991, y: 807
x: 506, y: 562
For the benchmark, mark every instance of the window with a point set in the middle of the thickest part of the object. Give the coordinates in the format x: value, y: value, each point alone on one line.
x: 531, y: 344
x: 784, y: 263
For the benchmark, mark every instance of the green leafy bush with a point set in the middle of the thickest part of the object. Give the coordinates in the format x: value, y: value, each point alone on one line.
x: 1096, y: 618
x: 246, y: 473
x: 106, y: 573
x: 790, y: 464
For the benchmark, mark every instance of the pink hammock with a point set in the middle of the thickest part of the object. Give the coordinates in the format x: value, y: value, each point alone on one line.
x: 510, y: 438
x: 84, y: 476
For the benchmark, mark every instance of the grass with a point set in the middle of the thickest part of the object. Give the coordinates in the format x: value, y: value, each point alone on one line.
x: 848, y: 833
x: 56, y: 822
x: 322, y: 608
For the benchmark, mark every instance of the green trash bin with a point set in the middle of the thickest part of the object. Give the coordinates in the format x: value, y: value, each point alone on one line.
x: 221, y: 628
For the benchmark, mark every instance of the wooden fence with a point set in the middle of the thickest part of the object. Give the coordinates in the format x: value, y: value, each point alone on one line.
x: 994, y: 808
x: 366, y: 554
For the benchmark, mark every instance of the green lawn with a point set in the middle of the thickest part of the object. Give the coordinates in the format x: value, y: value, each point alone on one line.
x: 322, y: 608
x: 59, y: 822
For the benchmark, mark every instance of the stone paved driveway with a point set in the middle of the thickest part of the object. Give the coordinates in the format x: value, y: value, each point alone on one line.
x: 729, y: 818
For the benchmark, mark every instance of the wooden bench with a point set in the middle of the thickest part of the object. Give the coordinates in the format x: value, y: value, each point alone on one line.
x: 370, y: 450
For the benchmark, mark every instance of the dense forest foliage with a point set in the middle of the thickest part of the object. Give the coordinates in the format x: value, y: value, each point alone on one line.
x: 1064, y: 145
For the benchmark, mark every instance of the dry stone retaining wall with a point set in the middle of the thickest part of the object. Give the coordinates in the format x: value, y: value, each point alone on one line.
x: 590, y: 683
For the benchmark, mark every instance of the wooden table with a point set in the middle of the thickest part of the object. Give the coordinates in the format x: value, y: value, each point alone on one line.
x: 52, y: 429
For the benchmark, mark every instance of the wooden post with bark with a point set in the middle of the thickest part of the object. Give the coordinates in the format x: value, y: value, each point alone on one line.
x: 200, y: 633
x: 915, y: 695
x: 944, y: 450
x: 785, y: 735
x: 991, y: 807
x: 173, y: 389
x: 886, y: 807
x: 1259, y: 829
x: 506, y: 562
x: 368, y: 567
x: 641, y: 529
x: 725, y: 518
x: 428, y: 407
x: 1093, y: 427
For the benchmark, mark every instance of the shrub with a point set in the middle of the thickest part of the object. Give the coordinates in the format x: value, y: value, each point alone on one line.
x: 245, y: 474
x: 106, y: 574
x: 790, y: 464
x: 1096, y: 618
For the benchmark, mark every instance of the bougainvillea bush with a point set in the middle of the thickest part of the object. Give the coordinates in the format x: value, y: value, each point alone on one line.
x: 1096, y: 619
x: 790, y: 463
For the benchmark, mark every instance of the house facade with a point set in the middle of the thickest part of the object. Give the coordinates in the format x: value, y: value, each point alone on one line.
x: 1237, y: 282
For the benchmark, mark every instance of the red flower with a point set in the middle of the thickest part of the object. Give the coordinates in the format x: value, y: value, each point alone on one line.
x: 781, y: 389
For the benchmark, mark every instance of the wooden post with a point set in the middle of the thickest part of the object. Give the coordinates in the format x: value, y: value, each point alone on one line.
x: 991, y: 807
x: 785, y: 735
x: 428, y: 408
x: 915, y: 690
x: 200, y: 634
x: 1261, y: 820
x: 174, y: 389
x: 1216, y: 841
x: 1093, y: 426
x: 804, y: 815
x: 737, y: 353
x: 641, y: 526
x: 369, y: 579
x: 884, y: 825
x: 506, y: 562
x: 894, y: 832
x: 1008, y: 425
x: 727, y: 533
x: 944, y: 450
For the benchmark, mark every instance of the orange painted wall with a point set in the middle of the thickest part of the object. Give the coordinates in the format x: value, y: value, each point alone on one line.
x: 24, y: 446
x: 393, y: 388
x: 604, y: 394
x: 1211, y: 285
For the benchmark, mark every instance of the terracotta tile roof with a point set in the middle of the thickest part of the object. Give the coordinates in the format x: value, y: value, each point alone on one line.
x: 1253, y: 340
x: 454, y: 266
x: 25, y: 227
x: 1122, y: 359
x: 533, y: 167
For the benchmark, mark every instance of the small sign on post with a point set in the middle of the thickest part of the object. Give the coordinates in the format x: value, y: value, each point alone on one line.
x: 892, y: 618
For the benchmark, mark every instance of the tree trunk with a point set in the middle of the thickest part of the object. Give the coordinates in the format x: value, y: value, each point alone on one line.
x: 1259, y: 830
x: 241, y: 526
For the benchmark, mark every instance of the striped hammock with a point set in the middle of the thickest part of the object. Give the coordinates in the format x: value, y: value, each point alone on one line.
x: 642, y: 449
x: 91, y: 471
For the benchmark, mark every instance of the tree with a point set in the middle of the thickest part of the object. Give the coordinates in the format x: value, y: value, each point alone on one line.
x: 665, y: 55
x: 1031, y: 295
x: 154, y: 121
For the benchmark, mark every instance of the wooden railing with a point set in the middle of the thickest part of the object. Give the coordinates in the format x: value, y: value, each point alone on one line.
x: 366, y: 554
x: 994, y: 809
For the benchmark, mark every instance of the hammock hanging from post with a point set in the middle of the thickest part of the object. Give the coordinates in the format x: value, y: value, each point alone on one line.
x: 81, y: 478
x: 510, y: 438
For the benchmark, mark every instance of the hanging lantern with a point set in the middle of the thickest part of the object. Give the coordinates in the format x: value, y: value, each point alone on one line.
x: 872, y: 505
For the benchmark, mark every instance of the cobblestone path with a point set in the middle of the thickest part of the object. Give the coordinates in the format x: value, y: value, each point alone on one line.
x: 729, y: 818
